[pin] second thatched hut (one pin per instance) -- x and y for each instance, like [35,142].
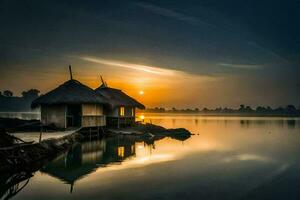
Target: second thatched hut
[121,109]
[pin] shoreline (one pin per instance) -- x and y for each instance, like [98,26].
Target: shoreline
[19,157]
[221,114]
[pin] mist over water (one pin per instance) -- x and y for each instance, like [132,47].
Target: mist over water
[227,158]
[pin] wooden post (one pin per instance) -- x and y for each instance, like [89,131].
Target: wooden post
[70,70]
[90,134]
[118,122]
[102,130]
[41,132]
[103,82]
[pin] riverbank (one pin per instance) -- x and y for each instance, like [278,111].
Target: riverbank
[24,155]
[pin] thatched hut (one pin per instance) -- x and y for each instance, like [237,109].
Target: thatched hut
[121,109]
[72,104]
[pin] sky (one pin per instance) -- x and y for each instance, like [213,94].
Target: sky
[185,54]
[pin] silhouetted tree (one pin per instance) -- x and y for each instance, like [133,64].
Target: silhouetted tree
[242,108]
[218,109]
[188,110]
[261,109]
[32,93]
[227,110]
[279,110]
[8,93]
[205,110]
[161,109]
[290,109]
[248,109]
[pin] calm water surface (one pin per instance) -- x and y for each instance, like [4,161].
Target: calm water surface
[227,158]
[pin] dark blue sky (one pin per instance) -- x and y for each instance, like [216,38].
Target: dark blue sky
[227,52]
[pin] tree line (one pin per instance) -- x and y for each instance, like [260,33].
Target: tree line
[243,109]
[32,93]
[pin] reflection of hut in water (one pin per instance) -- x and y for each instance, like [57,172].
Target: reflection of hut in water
[77,163]
[72,104]
[118,149]
[121,111]
[85,158]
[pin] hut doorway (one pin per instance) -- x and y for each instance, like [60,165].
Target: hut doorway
[74,116]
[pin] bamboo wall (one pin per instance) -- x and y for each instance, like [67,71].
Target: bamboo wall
[92,115]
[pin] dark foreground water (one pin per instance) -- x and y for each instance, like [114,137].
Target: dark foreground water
[228,158]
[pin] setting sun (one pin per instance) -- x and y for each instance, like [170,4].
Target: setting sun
[141,92]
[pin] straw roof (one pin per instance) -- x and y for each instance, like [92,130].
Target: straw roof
[70,92]
[118,98]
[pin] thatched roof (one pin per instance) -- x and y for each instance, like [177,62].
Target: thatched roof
[118,98]
[70,92]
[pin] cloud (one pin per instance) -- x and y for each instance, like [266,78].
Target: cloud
[173,14]
[248,157]
[241,66]
[267,51]
[137,67]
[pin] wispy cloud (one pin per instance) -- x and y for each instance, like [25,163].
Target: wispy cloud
[137,67]
[248,157]
[267,51]
[173,14]
[241,66]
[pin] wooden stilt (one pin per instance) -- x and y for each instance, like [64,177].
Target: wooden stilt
[90,134]
[102,130]
[41,132]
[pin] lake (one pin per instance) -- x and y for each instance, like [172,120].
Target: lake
[227,158]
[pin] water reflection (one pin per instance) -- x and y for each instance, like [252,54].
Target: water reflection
[228,158]
[86,157]
[194,121]
[291,123]
[81,160]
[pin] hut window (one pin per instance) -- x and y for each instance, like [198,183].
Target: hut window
[121,151]
[122,111]
[132,111]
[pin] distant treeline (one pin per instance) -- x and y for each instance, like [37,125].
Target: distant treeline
[11,103]
[289,110]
